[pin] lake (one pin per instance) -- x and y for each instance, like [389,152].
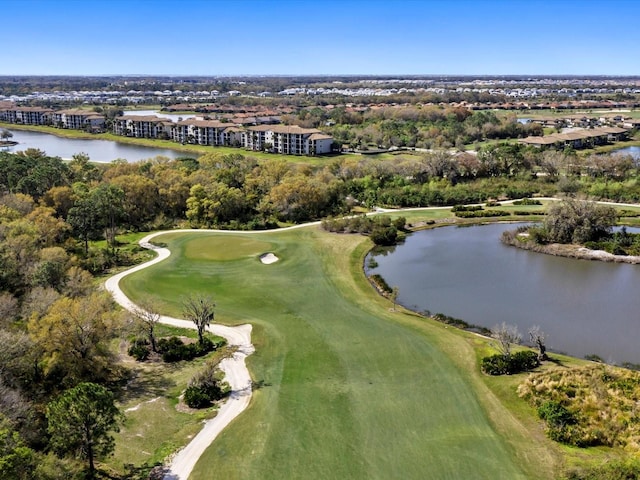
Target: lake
[585,307]
[633,151]
[98,150]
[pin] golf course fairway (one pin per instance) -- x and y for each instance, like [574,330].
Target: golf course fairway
[345,387]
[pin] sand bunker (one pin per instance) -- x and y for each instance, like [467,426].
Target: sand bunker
[268,258]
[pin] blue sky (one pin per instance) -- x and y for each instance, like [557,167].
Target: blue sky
[376,37]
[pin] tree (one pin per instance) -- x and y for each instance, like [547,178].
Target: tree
[6,135]
[538,338]
[216,203]
[109,202]
[140,200]
[83,216]
[506,336]
[578,221]
[148,318]
[17,461]
[199,309]
[81,420]
[73,337]
[81,168]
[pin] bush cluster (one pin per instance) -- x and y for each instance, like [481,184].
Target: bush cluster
[139,349]
[482,213]
[619,243]
[459,323]
[561,423]
[591,405]
[173,349]
[527,201]
[380,283]
[382,230]
[466,208]
[614,470]
[206,386]
[527,212]
[517,362]
[624,213]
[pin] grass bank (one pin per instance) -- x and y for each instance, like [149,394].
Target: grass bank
[348,388]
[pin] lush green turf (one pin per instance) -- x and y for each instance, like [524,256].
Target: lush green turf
[349,389]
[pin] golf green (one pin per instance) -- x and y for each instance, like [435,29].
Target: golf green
[345,388]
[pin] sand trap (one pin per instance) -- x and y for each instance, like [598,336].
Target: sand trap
[268,258]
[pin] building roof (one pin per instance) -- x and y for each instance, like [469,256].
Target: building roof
[546,140]
[290,129]
[33,109]
[144,118]
[320,136]
[76,111]
[204,123]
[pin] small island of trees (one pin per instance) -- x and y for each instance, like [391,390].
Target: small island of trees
[577,228]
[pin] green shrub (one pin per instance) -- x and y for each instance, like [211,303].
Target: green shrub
[627,469]
[399,223]
[196,397]
[206,386]
[517,362]
[139,350]
[384,236]
[527,201]
[555,414]
[464,208]
[527,212]
[561,423]
[482,213]
[628,213]
[173,349]
[458,323]
[380,282]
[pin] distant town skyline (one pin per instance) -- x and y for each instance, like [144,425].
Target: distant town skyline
[330,37]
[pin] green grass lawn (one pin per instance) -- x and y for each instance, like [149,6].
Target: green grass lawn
[349,389]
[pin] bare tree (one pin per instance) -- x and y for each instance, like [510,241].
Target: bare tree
[6,135]
[538,338]
[8,308]
[199,309]
[506,336]
[148,318]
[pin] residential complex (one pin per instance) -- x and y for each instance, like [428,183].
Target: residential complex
[74,119]
[285,139]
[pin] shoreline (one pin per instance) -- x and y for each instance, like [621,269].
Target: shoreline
[578,252]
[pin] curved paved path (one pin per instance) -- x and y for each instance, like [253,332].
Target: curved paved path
[236,372]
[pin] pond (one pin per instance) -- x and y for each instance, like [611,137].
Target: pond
[585,307]
[98,150]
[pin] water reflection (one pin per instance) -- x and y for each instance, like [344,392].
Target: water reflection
[98,150]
